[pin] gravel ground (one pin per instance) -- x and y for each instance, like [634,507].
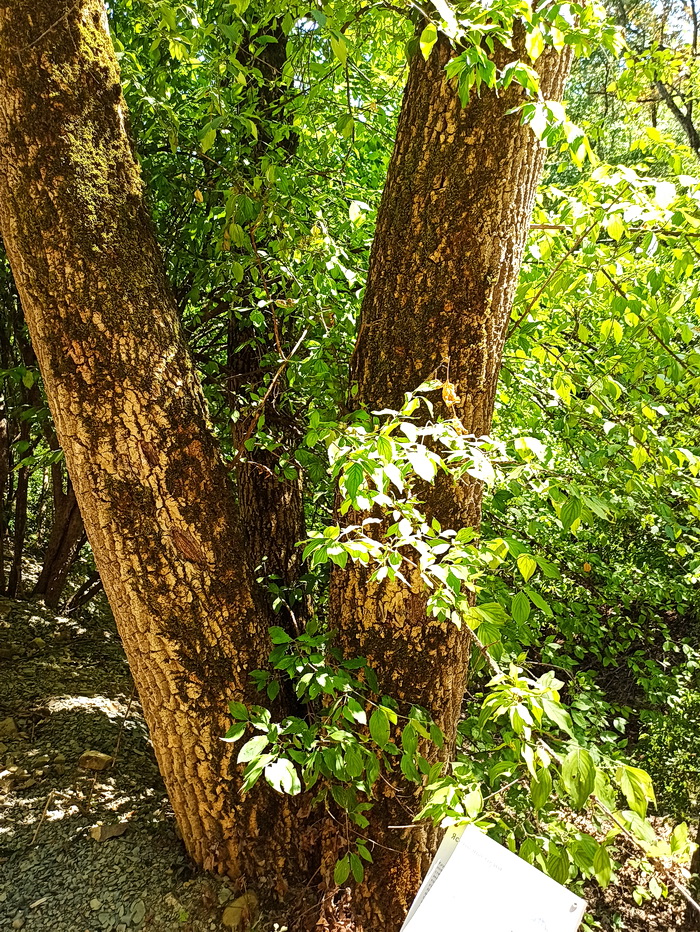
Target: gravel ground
[84,850]
[65,689]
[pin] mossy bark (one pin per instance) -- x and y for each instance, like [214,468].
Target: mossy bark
[450,235]
[131,418]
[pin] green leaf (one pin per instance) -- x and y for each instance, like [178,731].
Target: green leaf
[520,608]
[357,867]
[340,49]
[637,786]
[427,40]
[341,872]
[238,711]
[534,44]
[570,512]
[409,769]
[541,788]
[583,851]
[527,565]
[379,727]
[207,139]
[252,749]
[615,227]
[235,732]
[679,838]
[602,867]
[279,635]
[282,776]
[578,776]
[473,803]
[556,713]
[353,479]
[557,863]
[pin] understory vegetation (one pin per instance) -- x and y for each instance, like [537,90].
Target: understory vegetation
[264,133]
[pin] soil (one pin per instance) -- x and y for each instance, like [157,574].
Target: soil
[85,850]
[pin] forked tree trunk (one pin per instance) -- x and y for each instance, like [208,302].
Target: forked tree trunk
[130,416]
[450,235]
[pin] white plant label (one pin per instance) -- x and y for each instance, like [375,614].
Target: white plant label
[476,885]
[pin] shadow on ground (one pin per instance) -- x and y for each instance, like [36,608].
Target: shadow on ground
[65,689]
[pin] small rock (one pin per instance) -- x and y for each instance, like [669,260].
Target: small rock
[242,913]
[7,653]
[59,759]
[19,922]
[8,729]
[95,904]
[95,760]
[103,832]
[138,913]
[38,642]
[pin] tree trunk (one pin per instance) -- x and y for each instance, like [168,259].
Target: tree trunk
[84,594]
[450,234]
[4,475]
[271,505]
[14,581]
[66,539]
[130,416]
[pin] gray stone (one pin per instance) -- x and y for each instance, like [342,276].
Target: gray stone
[95,760]
[8,728]
[138,913]
[242,913]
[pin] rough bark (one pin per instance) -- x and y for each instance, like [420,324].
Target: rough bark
[129,414]
[450,235]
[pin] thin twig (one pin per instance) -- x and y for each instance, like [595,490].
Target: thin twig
[660,867]
[650,329]
[43,816]
[684,892]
